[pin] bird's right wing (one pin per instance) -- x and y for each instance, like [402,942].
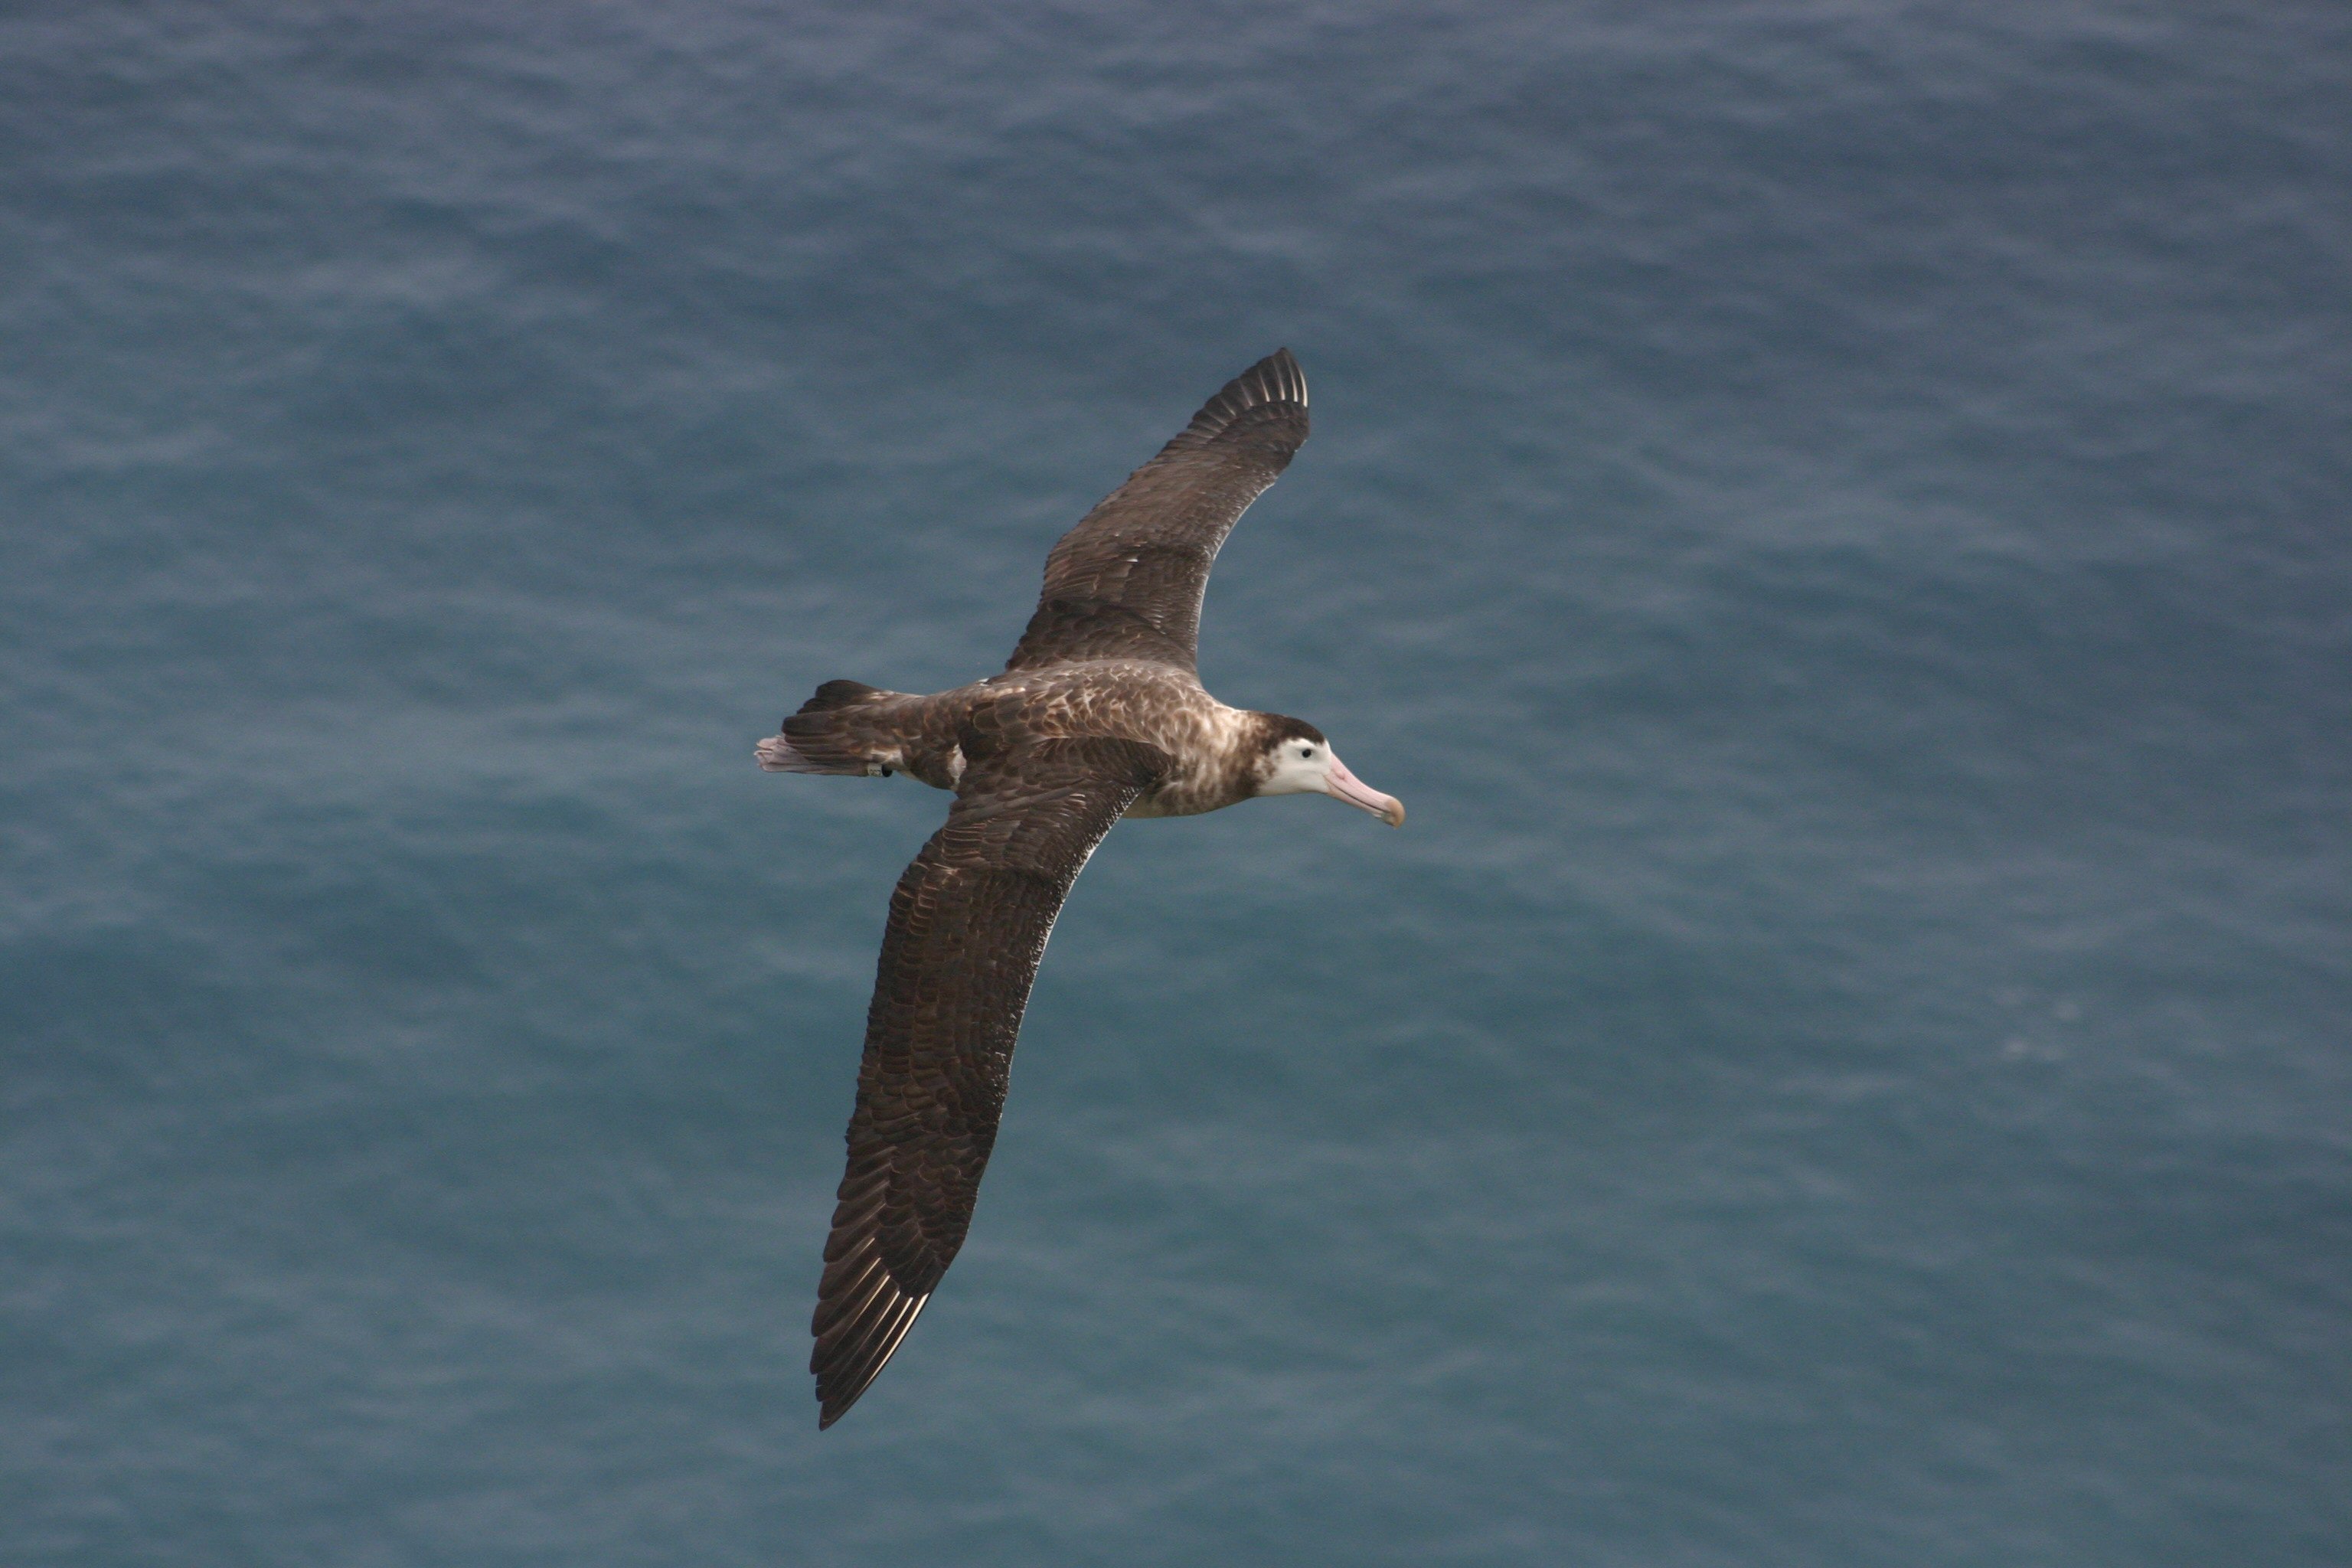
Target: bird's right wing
[968,926]
[1129,578]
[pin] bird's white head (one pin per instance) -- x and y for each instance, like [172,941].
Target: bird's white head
[1297,760]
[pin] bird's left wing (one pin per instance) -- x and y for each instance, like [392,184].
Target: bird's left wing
[968,926]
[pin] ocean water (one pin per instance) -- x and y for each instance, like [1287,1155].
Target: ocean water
[1833,515]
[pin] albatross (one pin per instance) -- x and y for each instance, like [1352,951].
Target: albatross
[1099,715]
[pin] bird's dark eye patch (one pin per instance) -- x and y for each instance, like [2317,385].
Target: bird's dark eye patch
[1306,751]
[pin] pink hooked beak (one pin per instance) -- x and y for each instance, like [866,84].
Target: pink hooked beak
[1342,785]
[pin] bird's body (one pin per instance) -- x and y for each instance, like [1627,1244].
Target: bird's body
[1212,750]
[1099,715]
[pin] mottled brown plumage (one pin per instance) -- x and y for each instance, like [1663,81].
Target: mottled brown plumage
[1099,715]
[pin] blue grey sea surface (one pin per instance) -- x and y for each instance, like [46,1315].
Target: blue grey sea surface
[1836,516]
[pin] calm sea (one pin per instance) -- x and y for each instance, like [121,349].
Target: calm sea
[1835,514]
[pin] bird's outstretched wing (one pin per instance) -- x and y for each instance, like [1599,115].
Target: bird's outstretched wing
[1129,578]
[968,925]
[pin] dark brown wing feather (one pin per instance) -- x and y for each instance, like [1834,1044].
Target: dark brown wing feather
[1129,578]
[968,925]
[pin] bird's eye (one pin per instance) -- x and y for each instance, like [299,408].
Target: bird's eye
[1306,751]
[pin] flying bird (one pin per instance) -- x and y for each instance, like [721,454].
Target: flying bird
[1099,714]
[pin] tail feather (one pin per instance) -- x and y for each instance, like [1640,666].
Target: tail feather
[823,737]
[777,754]
[835,694]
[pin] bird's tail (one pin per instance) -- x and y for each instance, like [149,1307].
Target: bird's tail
[827,737]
